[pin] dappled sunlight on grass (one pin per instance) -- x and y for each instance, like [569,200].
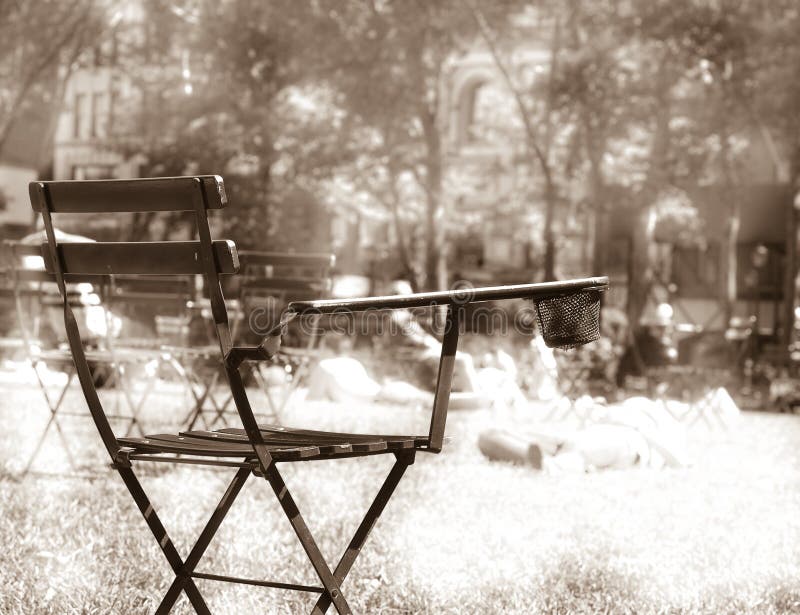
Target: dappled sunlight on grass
[461,535]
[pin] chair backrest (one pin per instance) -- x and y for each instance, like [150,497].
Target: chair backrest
[159,303]
[160,258]
[290,276]
[269,281]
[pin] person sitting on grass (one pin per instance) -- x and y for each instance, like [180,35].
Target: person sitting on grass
[423,350]
[653,345]
[412,355]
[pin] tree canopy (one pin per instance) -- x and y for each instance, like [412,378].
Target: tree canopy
[331,106]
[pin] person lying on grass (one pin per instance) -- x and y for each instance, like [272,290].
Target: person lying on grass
[637,432]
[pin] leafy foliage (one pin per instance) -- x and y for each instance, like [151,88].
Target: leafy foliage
[641,98]
[40,43]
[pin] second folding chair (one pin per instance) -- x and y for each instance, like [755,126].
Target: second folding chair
[35,299]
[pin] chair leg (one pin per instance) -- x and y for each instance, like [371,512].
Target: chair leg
[200,408]
[52,421]
[124,385]
[183,570]
[199,400]
[298,376]
[273,405]
[43,387]
[255,369]
[359,538]
[219,408]
[307,540]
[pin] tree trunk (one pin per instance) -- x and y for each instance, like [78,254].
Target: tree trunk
[435,265]
[400,234]
[549,239]
[640,267]
[601,236]
[537,153]
[598,192]
[640,264]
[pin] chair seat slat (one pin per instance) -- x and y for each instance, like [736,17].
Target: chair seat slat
[352,437]
[290,439]
[180,445]
[291,445]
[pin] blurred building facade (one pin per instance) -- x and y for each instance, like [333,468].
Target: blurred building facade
[498,190]
[738,268]
[81,148]
[103,122]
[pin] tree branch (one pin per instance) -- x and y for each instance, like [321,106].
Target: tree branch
[530,132]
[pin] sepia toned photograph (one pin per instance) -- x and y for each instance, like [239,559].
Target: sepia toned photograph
[399,307]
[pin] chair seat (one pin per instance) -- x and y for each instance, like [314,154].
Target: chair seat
[284,443]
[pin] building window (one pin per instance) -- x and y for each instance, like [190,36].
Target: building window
[479,111]
[113,108]
[759,271]
[99,115]
[696,271]
[80,116]
[93,171]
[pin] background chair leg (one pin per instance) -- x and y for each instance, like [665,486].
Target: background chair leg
[53,422]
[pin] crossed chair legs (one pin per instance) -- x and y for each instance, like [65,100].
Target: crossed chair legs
[202,391]
[330,592]
[206,402]
[52,421]
[54,406]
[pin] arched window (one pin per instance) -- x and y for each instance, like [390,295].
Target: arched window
[479,105]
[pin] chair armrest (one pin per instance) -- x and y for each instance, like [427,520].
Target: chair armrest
[263,352]
[542,290]
[268,348]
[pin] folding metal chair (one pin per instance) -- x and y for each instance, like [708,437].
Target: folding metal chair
[143,300]
[569,378]
[269,282]
[691,385]
[34,293]
[568,310]
[151,301]
[199,366]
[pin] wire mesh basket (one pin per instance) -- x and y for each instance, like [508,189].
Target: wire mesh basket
[570,320]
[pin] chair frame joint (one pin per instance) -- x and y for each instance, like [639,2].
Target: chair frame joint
[122,458]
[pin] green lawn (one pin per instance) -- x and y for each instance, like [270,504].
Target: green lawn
[462,535]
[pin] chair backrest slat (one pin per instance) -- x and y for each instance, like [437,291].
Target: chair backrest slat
[309,285]
[17,269]
[128,195]
[289,276]
[143,258]
[315,261]
[149,289]
[19,249]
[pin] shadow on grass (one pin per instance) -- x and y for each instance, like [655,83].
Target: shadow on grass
[597,584]
[785,598]
[582,583]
